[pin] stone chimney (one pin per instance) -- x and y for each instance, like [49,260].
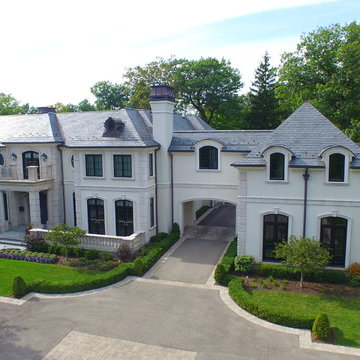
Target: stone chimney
[162,102]
[46,110]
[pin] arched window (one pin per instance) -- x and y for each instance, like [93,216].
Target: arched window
[208,157]
[30,158]
[337,167]
[277,166]
[124,217]
[275,231]
[1,160]
[96,216]
[333,237]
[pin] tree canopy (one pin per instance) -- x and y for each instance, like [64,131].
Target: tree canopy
[10,106]
[325,71]
[109,96]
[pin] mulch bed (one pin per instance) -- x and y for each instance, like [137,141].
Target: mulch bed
[337,290]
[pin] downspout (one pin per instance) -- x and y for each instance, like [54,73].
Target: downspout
[306,178]
[172,188]
[156,193]
[62,180]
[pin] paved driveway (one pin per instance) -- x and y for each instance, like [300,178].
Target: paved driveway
[144,319]
[222,215]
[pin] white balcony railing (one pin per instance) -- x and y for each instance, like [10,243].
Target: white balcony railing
[14,172]
[103,242]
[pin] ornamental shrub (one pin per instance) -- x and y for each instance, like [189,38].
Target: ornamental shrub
[55,249]
[79,252]
[158,237]
[354,269]
[124,252]
[321,327]
[106,256]
[244,263]
[220,274]
[19,287]
[91,254]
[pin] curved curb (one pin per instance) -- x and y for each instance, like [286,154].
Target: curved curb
[305,341]
[27,297]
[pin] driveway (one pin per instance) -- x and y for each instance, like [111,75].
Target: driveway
[223,215]
[142,320]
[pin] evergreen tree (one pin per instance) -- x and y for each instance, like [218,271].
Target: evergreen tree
[263,104]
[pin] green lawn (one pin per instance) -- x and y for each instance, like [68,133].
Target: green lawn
[31,271]
[344,314]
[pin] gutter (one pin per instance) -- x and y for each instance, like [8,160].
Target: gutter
[156,193]
[306,178]
[172,187]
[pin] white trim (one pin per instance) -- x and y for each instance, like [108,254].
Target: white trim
[336,213]
[203,143]
[325,155]
[287,156]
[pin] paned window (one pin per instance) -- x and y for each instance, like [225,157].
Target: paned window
[96,218]
[275,231]
[151,164]
[94,165]
[122,166]
[124,217]
[337,167]
[152,212]
[277,166]
[208,157]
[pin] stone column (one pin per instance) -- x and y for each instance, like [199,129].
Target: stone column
[13,207]
[241,214]
[34,201]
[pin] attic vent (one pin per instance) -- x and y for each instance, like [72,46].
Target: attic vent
[113,127]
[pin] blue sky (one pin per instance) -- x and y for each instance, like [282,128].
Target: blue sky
[54,51]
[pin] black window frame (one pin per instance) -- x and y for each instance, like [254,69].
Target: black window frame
[6,208]
[124,218]
[277,159]
[96,225]
[32,160]
[273,223]
[122,168]
[2,161]
[208,158]
[151,164]
[335,166]
[328,233]
[91,169]
[74,207]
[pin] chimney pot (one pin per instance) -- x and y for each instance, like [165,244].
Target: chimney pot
[45,110]
[161,93]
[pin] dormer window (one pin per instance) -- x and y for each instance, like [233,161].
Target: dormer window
[277,166]
[337,167]
[113,127]
[208,158]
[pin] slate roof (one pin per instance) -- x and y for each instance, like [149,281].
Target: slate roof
[85,129]
[232,140]
[305,133]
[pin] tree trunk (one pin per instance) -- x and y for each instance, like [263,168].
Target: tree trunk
[301,279]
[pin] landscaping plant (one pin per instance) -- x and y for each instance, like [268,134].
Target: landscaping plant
[65,236]
[321,327]
[304,254]
[244,263]
[19,287]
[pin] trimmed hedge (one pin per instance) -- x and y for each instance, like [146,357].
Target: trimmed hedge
[229,257]
[282,317]
[289,273]
[19,287]
[321,327]
[138,267]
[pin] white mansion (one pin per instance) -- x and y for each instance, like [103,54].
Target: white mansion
[134,172]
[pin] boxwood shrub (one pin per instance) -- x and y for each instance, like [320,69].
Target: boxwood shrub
[282,317]
[19,287]
[321,327]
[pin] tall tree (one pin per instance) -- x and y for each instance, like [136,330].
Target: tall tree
[109,96]
[324,70]
[158,72]
[263,110]
[85,105]
[207,84]
[10,106]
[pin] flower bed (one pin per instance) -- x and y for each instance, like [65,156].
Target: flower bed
[28,256]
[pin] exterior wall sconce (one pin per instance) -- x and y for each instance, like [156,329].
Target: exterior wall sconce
[44,157]
[13,156]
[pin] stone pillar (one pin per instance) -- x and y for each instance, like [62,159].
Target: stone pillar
[3,222]
[13,207]
[34,201]
[241,214]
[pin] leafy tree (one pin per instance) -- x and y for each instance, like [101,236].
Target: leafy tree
[85,105]
[324,70]
[109,96]
[10,106]
[304,254]
[65,236]
[263,111]
[139,79]
[206,84]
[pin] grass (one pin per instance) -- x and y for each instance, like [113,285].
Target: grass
[31,271]
[343,313]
